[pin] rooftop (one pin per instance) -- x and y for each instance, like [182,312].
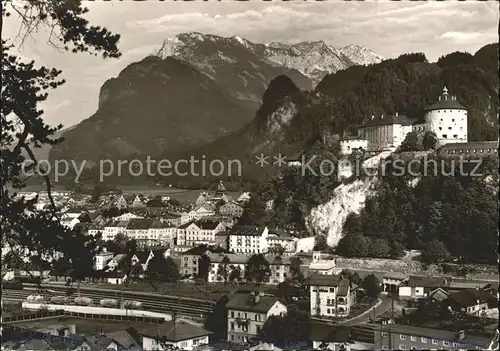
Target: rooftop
[324,280]
[172,331]
[388,120]
[246,302]
[446,102]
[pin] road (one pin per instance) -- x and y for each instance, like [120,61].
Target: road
[384,304]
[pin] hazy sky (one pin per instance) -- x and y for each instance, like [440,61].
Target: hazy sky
[388,28]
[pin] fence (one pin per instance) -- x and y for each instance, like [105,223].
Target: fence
[63,313]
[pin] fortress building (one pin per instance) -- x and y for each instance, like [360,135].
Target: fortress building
[447,118]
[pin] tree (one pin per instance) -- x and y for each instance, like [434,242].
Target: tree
[24,227]
[203,267]
[295,326]
[276,250]
[371,285]
[320,243]
[257,269]
[435,252]
[216,321]
[295,269]
[411,143]
[155,202]
[235,274]
[223,269]
[352,276]
[162,270]
[429,140]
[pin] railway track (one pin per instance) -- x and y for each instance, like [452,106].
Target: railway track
[161,304]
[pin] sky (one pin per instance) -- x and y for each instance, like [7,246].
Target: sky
[388,28]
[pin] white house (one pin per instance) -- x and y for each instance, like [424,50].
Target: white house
[248,239]
[127,216]
[244,198]
[200,212]
[184,336]
[102,258]
[350,144]
[330,295]
[111,230]
[229,262]
[288,243]
[323,264]
[385,132]
[246,314]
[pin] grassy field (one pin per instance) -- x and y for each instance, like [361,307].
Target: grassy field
[83,326]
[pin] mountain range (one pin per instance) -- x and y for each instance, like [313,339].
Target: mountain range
[194,89]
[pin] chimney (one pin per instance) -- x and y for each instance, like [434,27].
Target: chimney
[461,334]
[397,114]
[104,250]
[256,297]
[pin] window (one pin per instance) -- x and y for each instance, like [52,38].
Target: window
[232,326]
[384,347]
[446,343]
[402,347]
[384,334]
[402,337]
[423,340]
[413,348]
[434,342]
[455,344]
[413,338]
[232,314]
[445,136]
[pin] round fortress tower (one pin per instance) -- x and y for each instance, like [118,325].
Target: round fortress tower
[448,119]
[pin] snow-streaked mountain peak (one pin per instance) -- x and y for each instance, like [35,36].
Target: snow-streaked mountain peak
[314,59]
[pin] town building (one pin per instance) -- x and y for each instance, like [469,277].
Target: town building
[330,295]
[114,228]
[288,243]
[348,144]
[102,258]
[392,280]
[408,337]
[248,239]
[222,239]
[231,209]
[471,149]
[470,301]
[198,232]
[246,314]
[222,266]
[190,258]
[177,334]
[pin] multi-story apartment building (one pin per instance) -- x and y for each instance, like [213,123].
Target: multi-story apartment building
[279,267]
[330,295]
[200,212]
[198,232]
[190,258]
[102,258]
[231,209]
[221,266]
[407,337]
[288,243]
[246,314]
[113,229]
[248,239]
